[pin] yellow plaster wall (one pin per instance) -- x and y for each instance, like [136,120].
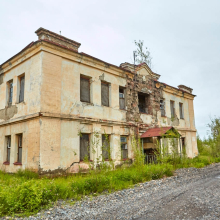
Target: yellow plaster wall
[30,147]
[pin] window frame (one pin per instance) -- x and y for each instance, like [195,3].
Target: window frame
[108,85]
[8,148]
[22,77]
[124,149]
[108,147]
[19,139]
[10,88]
[146,104]
[122,98]
[181,110]
[162,111]
[172,113]
[82,77]
[88,150]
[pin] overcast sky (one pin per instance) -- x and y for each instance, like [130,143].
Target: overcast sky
[183,37]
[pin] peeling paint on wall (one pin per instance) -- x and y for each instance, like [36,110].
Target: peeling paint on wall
[8,112]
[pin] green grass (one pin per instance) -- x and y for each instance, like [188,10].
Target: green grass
[26,193]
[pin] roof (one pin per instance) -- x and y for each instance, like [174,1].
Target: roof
[155,132]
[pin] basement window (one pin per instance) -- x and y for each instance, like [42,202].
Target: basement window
[122,98]
[21,91]
[84,147]
[106,154]
[124,147]
[105,93]
[172,108]
[143,103]
[162,107]
[181,110]
[84,89]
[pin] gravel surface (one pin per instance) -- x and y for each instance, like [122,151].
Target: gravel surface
[190,194]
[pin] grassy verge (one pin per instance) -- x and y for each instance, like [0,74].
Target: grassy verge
[25,193]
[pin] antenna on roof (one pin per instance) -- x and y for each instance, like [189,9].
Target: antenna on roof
[135,55]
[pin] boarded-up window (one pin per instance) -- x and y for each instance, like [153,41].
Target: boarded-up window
[10,92]
[8,142]
[19,148]
[181,110]
[106,154]
[162,107]
[172,109]
[122,98]
[84,147]
[143,101]
[84,89]
[105,93]
[124,147]
[21,93]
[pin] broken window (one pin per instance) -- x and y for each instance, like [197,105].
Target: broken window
[124,147]
[143,102]
[8,141]
[10,92]
[172,109]
[21,92]
[84,147]
[181,110]
[84,89]
[121,98]
[19,148]
[105,93]
[162,107]
[106,154]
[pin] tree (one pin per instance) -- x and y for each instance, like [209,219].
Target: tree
[143,54]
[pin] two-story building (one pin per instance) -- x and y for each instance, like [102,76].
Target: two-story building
[59,106]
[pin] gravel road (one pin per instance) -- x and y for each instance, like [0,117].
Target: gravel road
[190,194]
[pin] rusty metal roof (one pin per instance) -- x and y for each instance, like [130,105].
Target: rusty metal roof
[155,132]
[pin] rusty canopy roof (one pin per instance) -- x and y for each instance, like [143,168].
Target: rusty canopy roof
[155,132]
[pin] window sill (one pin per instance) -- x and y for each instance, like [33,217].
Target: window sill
[17,163]
[108,159]
[23,102]
[86,103]
[81,161]
[6,163]
[125,159]
[182,118]
[163,116]
[144,113]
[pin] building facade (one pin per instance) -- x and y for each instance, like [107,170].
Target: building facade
[59,106]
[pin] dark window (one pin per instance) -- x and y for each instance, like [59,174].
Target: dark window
[143,100]
[8,139]
[181,110]
[20,148]
[122,98]
[21,93]
[183,145]
[162,107]
[84,89]
[10,92]
[124,147]
[105,93]
[84,147]
[106,154]
[172,109]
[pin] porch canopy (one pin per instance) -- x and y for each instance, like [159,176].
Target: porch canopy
[161,131]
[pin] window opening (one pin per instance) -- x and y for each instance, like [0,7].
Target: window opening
[8,148]
[20,148]
[84,147]
[106,154]
[122,98]
[105,93]
[10,92]
[172,109]
[181,110]
[162,107]
[143,102]
[84,89]
[21,93]
[124,147]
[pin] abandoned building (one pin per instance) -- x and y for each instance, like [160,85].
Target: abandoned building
[58,104]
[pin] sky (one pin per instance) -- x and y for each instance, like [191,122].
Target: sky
[183,37]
